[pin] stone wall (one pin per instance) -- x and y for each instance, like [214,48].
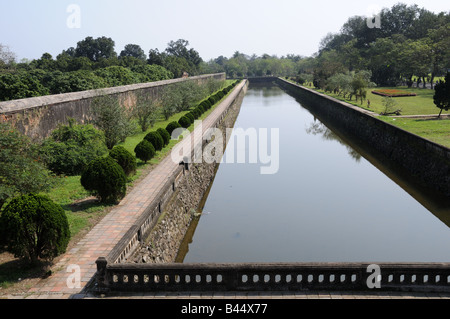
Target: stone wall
[38,116]
[422,162]
[163,242]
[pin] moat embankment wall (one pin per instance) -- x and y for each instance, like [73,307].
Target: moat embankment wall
[37,117]
[418,159]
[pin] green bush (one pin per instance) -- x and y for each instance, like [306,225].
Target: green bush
[206,104]
[185,122]
[71,147]
[156,140]
[190,117]
[196,113]
[34,227]
[212,100]
[199,110]
[124,158]
[172,126]
[165,135]
[145,151]
[105,179]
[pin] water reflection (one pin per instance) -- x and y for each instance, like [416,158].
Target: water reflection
[318,128]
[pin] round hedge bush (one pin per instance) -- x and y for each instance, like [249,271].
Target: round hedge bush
[190,117]
[172,126]
[156,140]
[105,179]
[196,113]
[34,227]
[165,135]
[185,122]
[145,151]
[124,158]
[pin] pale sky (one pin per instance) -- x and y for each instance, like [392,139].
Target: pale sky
[213,28]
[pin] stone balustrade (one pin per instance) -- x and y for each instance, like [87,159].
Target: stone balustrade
[424,277]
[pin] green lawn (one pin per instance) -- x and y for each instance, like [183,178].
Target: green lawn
[433,129]
[421,104]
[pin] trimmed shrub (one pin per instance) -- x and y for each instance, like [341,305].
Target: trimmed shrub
[165,135]
[190,117]
[185,122]
[212,100]
[201,109]
[145,151]
[206,105]
[172,126]
[105,179]
[34,227]
[156,140]
[124,158]
[196,113]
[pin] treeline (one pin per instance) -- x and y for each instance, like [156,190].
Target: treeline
[242,65]
[93,64]
[409,43]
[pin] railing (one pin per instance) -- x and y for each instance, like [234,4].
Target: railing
[424,277]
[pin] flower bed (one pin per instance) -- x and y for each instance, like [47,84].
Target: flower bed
[393,93]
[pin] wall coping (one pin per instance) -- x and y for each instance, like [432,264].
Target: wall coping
[14,106]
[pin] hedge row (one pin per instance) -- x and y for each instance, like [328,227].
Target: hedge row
[188,119]
[152,142]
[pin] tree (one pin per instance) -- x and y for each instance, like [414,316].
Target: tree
[145,151]
[106,179]
[7,57]
[442,94]
[117,76]
[171,101]
[190,93]
[21,169]
[96,49]
[34,227]
[145,110]
[125,159]
[156,139]
[71,147]
[111,118]
[151,73]
[133,50]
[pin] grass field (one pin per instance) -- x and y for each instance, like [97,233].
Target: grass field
[421,104]
[432,129]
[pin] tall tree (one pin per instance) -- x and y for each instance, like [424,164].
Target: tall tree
[96,49]
[442,94]
[133,50]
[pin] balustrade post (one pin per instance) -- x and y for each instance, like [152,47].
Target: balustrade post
[101,275]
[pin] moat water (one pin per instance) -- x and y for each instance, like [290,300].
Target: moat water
[326,202]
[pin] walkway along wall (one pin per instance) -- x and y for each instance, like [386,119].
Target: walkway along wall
[37,117]
[418,159]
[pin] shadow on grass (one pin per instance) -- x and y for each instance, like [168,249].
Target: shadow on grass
[14,270]
[90,204]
